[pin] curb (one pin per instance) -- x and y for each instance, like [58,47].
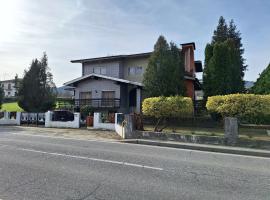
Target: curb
[203,147]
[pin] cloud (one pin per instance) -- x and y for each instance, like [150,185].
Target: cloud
[68,29]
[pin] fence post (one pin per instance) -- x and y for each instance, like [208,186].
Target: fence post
[129,126]
[18,118]
[48,119]
[231,130]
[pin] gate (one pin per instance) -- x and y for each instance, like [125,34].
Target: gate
[32,118]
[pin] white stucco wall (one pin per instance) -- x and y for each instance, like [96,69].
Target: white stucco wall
[58,124]
[119,129]
[99,125]
[7,120]
[96,87]
[135,62]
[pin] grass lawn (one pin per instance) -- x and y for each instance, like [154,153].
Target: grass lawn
[11,107]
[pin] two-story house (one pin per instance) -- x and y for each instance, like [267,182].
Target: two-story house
[115,82]
[9,88]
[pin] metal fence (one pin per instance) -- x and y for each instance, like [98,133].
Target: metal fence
[33,118]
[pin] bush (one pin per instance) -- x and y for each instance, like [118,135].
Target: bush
[163,108]
[87,111]
[249,108]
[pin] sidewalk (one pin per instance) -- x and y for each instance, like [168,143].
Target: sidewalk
[83,134]
[202,147]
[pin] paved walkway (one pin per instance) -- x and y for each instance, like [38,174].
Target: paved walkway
[83,133]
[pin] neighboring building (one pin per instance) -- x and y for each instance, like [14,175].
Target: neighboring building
[115,82]
[9,87]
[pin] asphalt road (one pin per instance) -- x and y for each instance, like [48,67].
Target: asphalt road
[33,168]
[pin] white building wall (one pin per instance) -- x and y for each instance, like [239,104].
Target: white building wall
[135,62]
[8,92]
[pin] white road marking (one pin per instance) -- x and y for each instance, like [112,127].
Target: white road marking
[145,145]
[93,159]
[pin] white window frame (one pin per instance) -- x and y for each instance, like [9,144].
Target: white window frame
[135,70]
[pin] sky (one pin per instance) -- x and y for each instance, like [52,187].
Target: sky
[75,29]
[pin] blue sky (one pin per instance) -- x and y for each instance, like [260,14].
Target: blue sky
[73,29]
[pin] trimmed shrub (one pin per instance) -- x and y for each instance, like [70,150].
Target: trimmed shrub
[249,108]
[163,108]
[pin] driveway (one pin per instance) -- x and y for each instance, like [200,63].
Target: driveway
[35,167]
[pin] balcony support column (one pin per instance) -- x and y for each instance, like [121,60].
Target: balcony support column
[138,100]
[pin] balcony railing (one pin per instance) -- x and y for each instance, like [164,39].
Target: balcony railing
[98,103]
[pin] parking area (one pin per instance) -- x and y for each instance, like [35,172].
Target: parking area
[82,133]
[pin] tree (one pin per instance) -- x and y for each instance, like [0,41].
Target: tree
[221,33]
[224,62]
[1,96]
[16,84]
[36,91]
[164,74]
[262,85]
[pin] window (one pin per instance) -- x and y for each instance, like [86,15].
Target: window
[135,70]
[131,71]
[9,86]
[97,70]
[108,98]
[103,70]
[100,70]
[139,70]
[108,94]
[85,95]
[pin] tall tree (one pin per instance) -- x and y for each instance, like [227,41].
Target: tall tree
[226,39]
[16,84]
[164,74]
[36,91]
[1,96]
[221,33]
[262,85]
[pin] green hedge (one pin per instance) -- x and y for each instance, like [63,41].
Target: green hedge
[249,108]
[167,107]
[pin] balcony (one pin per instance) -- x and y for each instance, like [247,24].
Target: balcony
[98,103]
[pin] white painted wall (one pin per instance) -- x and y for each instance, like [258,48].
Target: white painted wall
[58,124]
[99,125]
[7,120]
[119,129]
[135,62]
